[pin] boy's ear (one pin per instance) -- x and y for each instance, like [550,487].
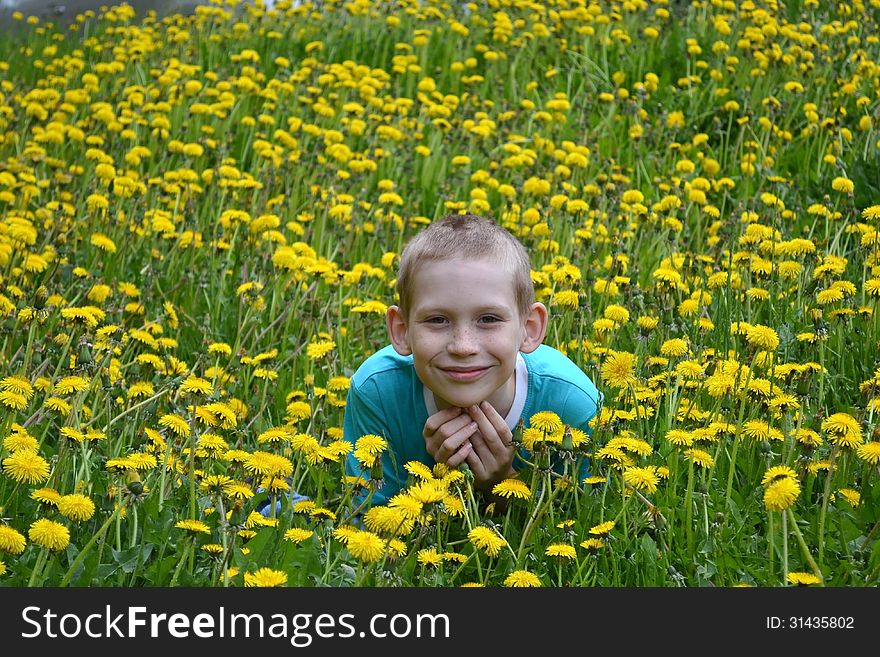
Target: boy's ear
[535,327]
[397,331]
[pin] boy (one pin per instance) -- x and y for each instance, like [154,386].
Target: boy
[465,360]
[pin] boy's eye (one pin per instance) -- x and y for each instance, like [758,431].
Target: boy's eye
[490,319]
[435,320]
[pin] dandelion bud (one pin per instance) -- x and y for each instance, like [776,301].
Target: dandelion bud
[135,485]
[85,355]
[567,442]
[543,459]
[518,432]
[376,473]
[40,297]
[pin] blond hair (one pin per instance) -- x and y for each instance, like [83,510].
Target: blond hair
[466,237]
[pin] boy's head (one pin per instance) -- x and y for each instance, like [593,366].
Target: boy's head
[467,307]
[466,237]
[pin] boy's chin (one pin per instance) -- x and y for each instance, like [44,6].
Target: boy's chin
[464,399]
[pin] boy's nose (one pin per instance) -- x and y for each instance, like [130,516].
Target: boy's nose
[462,342]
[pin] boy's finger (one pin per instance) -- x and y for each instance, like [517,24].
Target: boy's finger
[440,418]
[459,457]
[499,424]
[476,465]
[483,444]
[447,428]
[450,445]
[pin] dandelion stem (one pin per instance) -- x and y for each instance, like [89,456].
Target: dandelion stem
[736,437]
[528,530]
[38,568]
[804,549]
[88,546]
[825,497]
[784,547]
[183,559]
[689,508]
[771,542]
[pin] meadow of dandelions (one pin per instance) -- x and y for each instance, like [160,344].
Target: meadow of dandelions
[200,222]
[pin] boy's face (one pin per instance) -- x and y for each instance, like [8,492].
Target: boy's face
[464,331]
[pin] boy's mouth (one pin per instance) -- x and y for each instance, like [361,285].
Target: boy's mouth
[464,373]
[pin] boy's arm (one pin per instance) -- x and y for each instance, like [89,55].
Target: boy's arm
[363,416]
[578,411]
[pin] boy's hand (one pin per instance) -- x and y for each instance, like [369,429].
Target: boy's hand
[491,458]
[447,435]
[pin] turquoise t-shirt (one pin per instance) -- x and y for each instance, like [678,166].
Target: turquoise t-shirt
[386,398]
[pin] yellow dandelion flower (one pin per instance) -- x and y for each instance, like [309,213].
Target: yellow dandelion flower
[13,400]
[46,496]
[843,430]
[869,452]
[851,496]
[103,242]
[297,535]
[546,421]
[419,470]
[317,350]
[20,439]
[512,488]
[70,384]
[176,423]
[603,528]
[76,507]
[193,526]
[618,369]
[429,557]
[674,348]
[843,185]
[194,384]
[762,337]
[49,534]
[781,494]
[26,466]
[593,544]
[560,551]
[368,448]
[428,492]
[17,384]
[366,546]
[486,539]
[11,541]
[265,577]
[778,472]
[522,579]
[642,478]
[699,457]
[388,520]
[803,579]
[220,348]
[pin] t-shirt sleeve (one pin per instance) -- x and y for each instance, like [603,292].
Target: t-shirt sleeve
[581,407]
[363,416]
[578,411]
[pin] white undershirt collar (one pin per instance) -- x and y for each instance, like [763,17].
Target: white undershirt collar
[519,397]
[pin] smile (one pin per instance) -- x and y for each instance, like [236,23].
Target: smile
[465,375]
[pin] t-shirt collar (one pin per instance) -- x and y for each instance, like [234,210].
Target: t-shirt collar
[519,396]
